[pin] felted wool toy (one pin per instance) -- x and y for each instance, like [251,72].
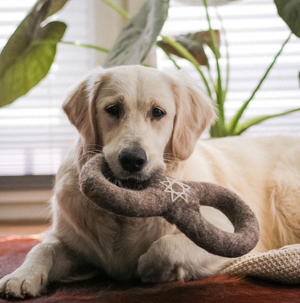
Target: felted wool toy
[178,202]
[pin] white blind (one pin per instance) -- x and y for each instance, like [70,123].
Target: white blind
[34,132]
[255,34]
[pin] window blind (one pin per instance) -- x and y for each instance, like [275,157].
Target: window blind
[255,34]
[34,132]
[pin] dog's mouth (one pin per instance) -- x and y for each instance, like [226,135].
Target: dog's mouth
[133,182]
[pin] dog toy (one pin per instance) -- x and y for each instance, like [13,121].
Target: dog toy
[178,202]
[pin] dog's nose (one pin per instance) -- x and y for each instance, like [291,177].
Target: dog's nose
[132,159]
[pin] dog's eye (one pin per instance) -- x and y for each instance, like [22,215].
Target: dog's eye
[113,110]
[157,113]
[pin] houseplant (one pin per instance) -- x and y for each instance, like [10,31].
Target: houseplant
[217,89]
[131,47]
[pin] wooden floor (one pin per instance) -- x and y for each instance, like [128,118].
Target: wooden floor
[21,230]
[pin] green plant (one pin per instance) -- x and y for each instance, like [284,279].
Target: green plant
[289,10]
[26,59]
[30,52]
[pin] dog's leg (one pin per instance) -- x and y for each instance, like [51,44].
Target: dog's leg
[46,261]
[175,257]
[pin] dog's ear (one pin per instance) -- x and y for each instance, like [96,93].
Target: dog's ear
[194,113]
[80,108]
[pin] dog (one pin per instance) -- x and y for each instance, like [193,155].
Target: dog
[144,120]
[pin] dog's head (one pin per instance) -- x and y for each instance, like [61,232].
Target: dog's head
[138,117]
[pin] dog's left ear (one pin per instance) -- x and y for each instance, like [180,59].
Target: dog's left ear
[81,110]
[194,113]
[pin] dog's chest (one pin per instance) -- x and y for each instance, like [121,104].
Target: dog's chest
[130,238]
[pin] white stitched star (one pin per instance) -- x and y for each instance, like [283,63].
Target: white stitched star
[175,194]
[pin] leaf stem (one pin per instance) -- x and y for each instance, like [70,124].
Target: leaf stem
[234,121]
[118,9]
[219,91]
[171,59]
[188,56]
[76,43]
[244,126]
[227,55]
[210,76]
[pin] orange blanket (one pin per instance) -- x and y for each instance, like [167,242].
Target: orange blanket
[220,289]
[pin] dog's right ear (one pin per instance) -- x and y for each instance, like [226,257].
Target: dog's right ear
[194,113]
[80,108]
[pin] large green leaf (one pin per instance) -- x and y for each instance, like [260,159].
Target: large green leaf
[289,11]
[30,51]
[135,41]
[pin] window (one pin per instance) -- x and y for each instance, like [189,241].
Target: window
[255,34]
[34,132]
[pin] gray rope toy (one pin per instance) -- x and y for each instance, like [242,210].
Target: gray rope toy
[178,202]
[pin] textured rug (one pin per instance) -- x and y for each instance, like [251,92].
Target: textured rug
[220,288]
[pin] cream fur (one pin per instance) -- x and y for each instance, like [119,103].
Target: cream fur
[265,172]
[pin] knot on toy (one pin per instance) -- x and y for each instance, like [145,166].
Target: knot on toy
[178,202]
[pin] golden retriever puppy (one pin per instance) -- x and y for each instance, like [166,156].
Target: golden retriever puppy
[143,120]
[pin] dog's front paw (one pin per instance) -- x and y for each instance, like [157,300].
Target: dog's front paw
[160,264]
[21,284]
